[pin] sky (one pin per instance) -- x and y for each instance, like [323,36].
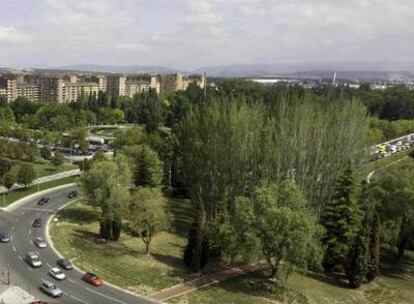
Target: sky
[188,34]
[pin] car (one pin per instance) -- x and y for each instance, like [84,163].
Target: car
[56,273]
[92,279]
[65,264]
[40,242]
[39,302]
[72,194]
[4,237]
[43,201]
[33,260]
[50,289]
[37,222]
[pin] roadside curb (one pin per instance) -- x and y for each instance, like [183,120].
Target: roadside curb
[52,246]
[22,200]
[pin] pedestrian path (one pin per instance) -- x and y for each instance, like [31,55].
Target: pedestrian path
[204,281]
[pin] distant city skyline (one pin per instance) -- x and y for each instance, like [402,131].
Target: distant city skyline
[189,34]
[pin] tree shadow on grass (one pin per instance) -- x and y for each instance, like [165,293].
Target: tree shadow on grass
[77,215]
[258,284]
[334,279]
[396,268]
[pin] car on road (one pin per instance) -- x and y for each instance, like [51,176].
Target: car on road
[33,259]
[43,201]
[72,194]
[4,237]
[92,279]
[39,302]
[65,264]
[37,222]
[40,242]
[50,289]
[56,273]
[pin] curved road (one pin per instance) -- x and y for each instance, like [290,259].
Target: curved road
[17,220]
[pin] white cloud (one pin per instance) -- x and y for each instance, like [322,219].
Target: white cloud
[11,34]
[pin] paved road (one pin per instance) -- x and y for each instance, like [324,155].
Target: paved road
[18,222]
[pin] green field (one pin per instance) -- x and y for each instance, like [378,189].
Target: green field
[123,263]
[12,196]
[42,168]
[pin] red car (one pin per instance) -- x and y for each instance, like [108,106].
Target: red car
[92,279]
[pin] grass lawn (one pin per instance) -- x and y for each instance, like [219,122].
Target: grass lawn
[17,194]
[123,263]
[42,168]
[395,285]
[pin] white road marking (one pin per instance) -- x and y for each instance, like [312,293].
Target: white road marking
[37,253]
[30,231]
[13,227]
[23,212]
[16,220]
[105,296]
[14,249]
[30,269]
[11,238]
[70,280]
[41,210]
[20,257]
[30,242]
[79,300]
[48,265]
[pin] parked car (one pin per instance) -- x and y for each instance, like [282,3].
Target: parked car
[72,194]
[56,273]
[50,289]
[92,279]
[33,259]
[37,222]
[65,264]
[4,237]
[40,242]
[39,302]
[43,201]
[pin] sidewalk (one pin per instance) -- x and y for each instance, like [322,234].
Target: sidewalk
[45,179]
[203,281]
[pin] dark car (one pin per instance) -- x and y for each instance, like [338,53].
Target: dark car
[65,264]
[72,194]
[4,237]
[43,201]
[37,223]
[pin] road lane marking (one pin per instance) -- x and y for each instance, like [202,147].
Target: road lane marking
[14,248]
[48,265]
[79,300]
[11,238]
[20,257]
[30,269]
[41,210]
[70,280]
[23,212]
[30,242]
[16,220]
[105,296]
[30,231]
[37,253]
[13,227]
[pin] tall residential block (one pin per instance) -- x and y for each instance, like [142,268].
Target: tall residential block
[116,84]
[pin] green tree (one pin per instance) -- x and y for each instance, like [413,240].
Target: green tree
[374,248]
[26,174]
[106,185]
[287,230]
[357,264]
[5,166]
[57,159]
[148,171]
[148,214]
[341,220]
[9,179]
[46,153]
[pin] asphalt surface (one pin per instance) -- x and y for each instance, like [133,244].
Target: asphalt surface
[18,223]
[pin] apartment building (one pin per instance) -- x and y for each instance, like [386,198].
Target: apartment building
[8,85]
[67,88]
[115,84]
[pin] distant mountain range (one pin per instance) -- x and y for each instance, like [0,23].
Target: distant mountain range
[352,70]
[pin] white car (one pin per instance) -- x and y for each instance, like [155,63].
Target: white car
[56,273]
[40,242]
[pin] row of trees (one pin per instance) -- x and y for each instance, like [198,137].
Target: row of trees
[23,174]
